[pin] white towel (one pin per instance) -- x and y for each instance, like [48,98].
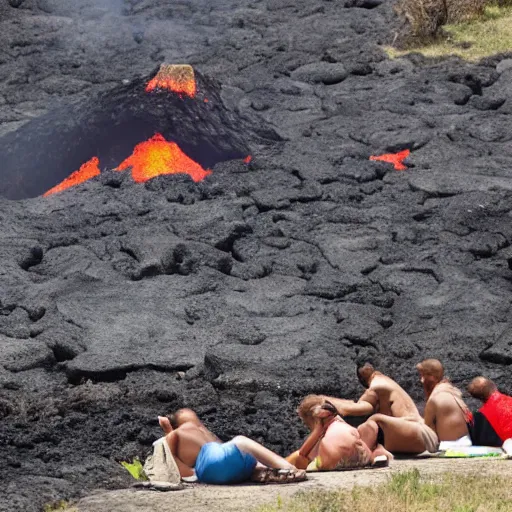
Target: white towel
[507,447]
[161,467]
[463,441]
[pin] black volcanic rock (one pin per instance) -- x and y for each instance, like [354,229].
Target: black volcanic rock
[267,281]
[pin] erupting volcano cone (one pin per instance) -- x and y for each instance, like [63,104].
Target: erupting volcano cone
[86,172]
[396,159]
[178,78]
[157,156]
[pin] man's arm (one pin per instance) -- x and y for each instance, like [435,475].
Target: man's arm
[312,440]
[430,414]
[173,440]
[364,407]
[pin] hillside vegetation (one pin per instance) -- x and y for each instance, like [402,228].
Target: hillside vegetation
[470,29]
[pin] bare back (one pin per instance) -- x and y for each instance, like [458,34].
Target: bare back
[446,412]
[187,441]
[392,399]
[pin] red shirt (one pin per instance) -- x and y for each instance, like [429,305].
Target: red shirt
[498,411]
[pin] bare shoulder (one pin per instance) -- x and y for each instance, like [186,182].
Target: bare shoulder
[383,383]
[186,430]
[432,402]
[443,398]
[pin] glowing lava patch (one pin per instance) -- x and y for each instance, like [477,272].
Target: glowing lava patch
[178,78]
[397,159]
[157,156]
[87,171]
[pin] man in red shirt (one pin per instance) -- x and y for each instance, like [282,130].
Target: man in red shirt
[496,410]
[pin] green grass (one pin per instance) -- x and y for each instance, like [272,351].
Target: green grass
[473,40]
[409,492]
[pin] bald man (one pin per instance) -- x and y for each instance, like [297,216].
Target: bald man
[196,450]
[397,424]
[445,410]
[493,421]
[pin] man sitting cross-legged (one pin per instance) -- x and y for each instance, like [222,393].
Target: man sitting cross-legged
[196,449]
[398,425]
[333,443]
[445,410]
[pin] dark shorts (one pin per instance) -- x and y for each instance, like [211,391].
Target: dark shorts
[223,464]
[380,436]
[482,432]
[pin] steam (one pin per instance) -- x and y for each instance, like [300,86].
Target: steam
[106,32]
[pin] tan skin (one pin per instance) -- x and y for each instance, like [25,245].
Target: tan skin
[333,440]
[383,395]
[396,414]
[186,441]
[444,412]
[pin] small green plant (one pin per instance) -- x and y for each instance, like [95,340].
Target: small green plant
[135,468]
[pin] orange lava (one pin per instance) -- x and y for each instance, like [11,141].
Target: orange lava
[247,159]
[176,78]
[86,172]
[396,159]
[157,156]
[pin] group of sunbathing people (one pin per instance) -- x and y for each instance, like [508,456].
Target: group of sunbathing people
[394,425]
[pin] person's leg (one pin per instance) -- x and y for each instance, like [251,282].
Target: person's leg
[298,460]
[261,454]
[369,431]
[400,435]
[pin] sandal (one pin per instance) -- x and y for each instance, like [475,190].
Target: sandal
[279,476]
[328,406]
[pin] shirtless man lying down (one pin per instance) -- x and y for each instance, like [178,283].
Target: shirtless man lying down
[333,443]
[196,449]
[397,424]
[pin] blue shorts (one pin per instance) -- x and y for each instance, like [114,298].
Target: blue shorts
[223,464]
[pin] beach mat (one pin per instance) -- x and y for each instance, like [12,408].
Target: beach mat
[473,452]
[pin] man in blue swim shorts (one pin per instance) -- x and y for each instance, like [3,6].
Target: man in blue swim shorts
[197,451]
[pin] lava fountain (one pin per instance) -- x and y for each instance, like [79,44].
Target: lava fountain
[157,156]
[194,135]
[178,78]
[87,171]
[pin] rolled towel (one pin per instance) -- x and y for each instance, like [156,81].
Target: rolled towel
[463,441]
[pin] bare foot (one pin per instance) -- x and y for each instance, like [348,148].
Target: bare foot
[381,454]
[165,424]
